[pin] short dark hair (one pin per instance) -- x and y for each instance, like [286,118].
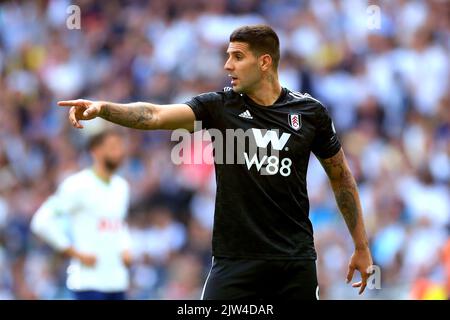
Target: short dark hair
[261,40]
[97,139]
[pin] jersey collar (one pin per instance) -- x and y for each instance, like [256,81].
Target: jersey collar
[281,99]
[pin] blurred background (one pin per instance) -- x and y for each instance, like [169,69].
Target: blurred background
[387,89]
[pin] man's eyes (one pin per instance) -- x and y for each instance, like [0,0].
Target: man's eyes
[238,57]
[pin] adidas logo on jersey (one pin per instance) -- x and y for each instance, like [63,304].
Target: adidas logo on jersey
[246,114]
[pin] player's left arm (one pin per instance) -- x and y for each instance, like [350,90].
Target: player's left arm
[125,242]
[125,235]
[347,199]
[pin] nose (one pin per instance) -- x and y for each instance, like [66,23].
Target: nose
[228,65]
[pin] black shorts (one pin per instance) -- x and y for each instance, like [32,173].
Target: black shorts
[261,279]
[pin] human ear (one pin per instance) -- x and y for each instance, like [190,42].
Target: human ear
[265,62]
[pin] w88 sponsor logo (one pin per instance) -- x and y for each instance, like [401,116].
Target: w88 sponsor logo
[272,164]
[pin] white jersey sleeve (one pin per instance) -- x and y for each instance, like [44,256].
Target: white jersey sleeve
[48,221]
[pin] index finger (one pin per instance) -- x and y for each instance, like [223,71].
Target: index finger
[70,103]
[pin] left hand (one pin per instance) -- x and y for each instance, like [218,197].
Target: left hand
[361,260]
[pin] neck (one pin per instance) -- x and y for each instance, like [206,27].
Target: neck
[101,172]
[267,92]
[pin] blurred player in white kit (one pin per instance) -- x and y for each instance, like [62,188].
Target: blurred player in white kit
[93,205]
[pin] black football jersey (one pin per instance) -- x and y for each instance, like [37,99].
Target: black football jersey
[261,159]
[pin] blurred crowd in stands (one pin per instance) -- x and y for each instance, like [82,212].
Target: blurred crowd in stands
[386,86]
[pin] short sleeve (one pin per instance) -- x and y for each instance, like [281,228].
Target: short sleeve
[326,143]
[67,197]
[205,107]
[49,220]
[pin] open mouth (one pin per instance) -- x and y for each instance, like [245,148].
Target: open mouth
[233,79]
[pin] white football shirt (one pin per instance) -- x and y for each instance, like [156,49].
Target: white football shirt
[89,214]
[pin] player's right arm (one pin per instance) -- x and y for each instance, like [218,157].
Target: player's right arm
[47,225]
[138,115]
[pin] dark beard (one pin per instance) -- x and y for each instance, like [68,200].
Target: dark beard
[110,165]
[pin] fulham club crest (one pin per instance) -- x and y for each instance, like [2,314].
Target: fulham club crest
[295,121]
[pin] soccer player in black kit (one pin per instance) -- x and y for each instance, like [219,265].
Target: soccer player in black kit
[263,244]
